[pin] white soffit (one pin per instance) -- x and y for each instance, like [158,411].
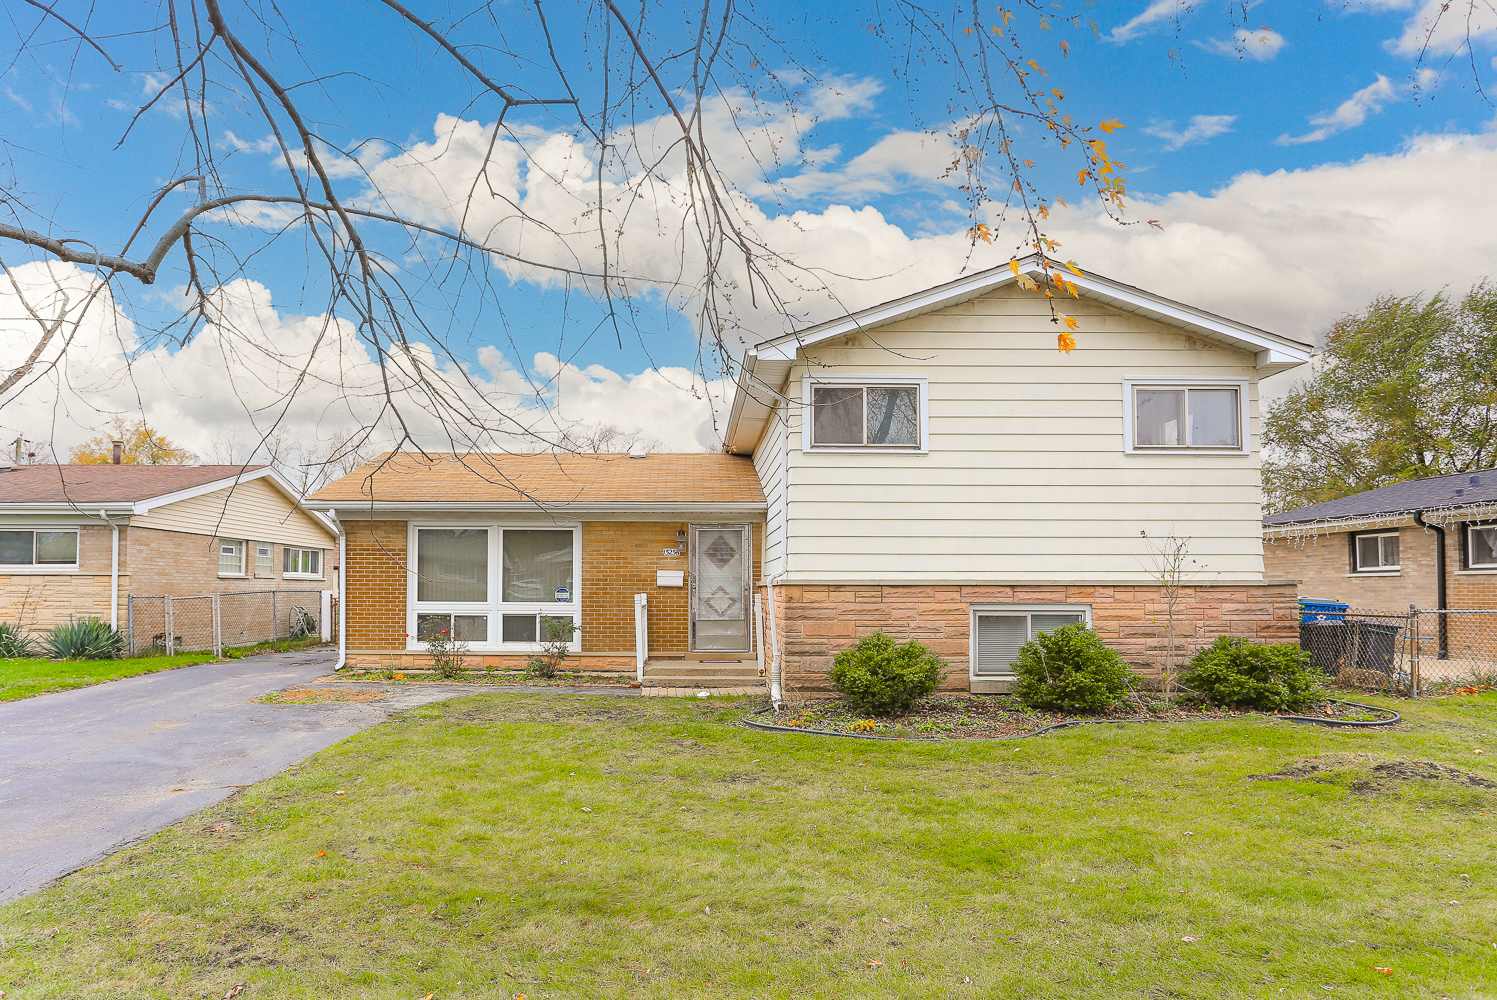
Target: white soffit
[761,376]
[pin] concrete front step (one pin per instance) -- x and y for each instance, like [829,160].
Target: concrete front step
[703,675]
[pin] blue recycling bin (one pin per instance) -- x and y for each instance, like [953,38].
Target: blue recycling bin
[1313,610]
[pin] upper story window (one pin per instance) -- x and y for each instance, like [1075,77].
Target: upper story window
[230,557]
[872,413]
[301,562]
[39,549]
[1375,553]
[1481,546]
[1185,417]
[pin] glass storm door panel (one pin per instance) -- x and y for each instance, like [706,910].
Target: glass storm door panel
[719,588]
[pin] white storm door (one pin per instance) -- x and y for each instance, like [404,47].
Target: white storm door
[720,567]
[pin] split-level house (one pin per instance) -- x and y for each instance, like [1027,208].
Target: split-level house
[932,467]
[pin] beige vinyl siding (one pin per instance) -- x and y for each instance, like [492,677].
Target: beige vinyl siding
[253,511]
[769,463]
[1026,478]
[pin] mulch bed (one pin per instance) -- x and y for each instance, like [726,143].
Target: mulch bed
[960,716]
[317,696]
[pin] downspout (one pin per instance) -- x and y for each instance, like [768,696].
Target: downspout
[1440,587]
[114,572]
[342,593]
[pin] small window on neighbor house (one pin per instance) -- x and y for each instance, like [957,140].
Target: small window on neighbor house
[264,559]
[865,416]
[1001,634]
[39,548]
[1375,553]
[1481,546]
[230,558]
[1169,417]
[301,562]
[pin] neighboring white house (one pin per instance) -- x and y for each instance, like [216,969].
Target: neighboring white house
[934,467]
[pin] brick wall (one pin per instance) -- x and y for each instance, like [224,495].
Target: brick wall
[180,564]
[815,623]
[1322,565]
[375,585]
[619,560]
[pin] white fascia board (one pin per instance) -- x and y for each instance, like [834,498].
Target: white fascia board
[1283,352]
[345,511]
[90,511]
[749,412]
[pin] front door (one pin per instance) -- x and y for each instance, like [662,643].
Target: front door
[720,568]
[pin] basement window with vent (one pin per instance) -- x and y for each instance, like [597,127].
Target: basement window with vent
[1000,631]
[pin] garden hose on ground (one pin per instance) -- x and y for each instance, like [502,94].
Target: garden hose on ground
[1303,719]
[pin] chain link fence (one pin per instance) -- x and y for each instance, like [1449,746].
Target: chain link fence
[1413,653]
[162,625]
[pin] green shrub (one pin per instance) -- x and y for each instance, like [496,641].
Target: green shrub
[1070,670]
[85,639]
[15,644]
[881,677]
[1242,674]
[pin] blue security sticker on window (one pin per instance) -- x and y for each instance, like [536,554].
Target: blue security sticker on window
[563,595]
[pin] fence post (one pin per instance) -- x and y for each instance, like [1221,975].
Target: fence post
[130,620]
[326,617]
[275,620]
[171,628]
[1414,652]
[218,635]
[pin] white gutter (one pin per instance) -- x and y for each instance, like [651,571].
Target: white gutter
[535,507]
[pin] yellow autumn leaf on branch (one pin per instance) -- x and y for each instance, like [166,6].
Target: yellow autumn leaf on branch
[1072,266]
[1071,324]
[1013,266]
[1066,342]
[1111,125]
[1065,50]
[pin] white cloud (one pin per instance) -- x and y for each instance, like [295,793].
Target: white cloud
[1443,27]
[1292,251]
[1348,114]
[1260,45]
[1157,11]
[1200,129]
[255,367]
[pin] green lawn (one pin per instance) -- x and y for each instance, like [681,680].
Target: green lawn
[452,852]
[24,678]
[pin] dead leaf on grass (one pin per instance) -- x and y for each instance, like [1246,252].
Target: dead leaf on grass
[235,990]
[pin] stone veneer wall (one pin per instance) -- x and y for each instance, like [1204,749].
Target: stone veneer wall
[817,622]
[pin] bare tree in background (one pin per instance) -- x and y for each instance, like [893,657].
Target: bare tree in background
[654,119]
[307,464]
[599,439]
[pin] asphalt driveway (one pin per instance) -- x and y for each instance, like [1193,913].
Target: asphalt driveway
[85,772]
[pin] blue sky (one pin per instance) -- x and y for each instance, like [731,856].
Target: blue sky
[1308,85]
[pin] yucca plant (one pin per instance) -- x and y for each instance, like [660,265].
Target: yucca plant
[85,639]
[15,644]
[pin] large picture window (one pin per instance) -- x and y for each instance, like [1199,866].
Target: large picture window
[492,586]
[1186,418]
[452,565]
[847,414]
[39,549]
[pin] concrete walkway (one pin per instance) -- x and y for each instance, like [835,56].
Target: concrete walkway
[85,772]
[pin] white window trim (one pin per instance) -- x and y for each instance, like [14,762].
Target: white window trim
[321,562]
[494,608]
[34,569]
[1130,383]
[1356,554]
[1016,609]
[244,558]
[865,379]
[1471,565]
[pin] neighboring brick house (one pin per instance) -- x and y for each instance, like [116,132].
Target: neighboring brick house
[932,467]
[77,540]
[1429,543]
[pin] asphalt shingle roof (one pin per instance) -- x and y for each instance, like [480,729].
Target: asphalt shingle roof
[85,484]
[698,478]
[1462,489]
